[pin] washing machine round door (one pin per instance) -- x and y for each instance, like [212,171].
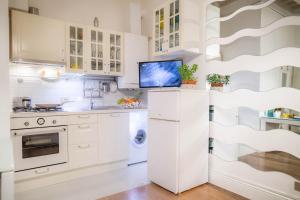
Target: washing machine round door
[140,138]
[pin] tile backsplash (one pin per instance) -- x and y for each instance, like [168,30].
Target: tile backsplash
[25,81]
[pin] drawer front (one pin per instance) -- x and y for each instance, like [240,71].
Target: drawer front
[164,105]
[82,119]
[83,155]
[82,133]
[42,171]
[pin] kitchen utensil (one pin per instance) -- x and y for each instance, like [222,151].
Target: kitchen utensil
[47,106]
[26,102]
[34,10]
[113,87]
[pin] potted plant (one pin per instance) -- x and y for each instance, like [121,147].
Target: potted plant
[187,72]
[217,81]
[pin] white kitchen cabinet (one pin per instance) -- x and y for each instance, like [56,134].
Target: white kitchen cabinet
[113,137]
[37,39]
[178,146]
[83,154]
[135,51]
[94,51]
[82,141]
[115,59]
[76,48]
[177,28]
[97,47]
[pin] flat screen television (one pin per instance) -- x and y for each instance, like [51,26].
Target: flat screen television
[159,74]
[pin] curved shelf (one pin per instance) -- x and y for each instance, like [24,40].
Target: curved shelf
[281,57]
[276,98]
[260,140]
[243,9]
[286,21]
[212,1]
[276,182]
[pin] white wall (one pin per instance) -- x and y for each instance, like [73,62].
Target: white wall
[4,74]
[112,14]
[25,82]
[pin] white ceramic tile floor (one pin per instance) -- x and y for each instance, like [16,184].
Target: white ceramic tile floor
[92,187]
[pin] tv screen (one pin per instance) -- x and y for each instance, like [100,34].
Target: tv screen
[160,74]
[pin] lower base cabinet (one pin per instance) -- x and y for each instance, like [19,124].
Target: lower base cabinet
[113,137]
[83,141]
[83,155]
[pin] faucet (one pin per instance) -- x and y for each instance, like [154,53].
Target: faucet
[91,101]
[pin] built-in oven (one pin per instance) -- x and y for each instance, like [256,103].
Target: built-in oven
[39,147]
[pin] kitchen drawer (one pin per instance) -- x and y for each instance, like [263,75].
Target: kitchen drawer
[82,133]
[164,105]
[82,119]
[42,171]
[83,155]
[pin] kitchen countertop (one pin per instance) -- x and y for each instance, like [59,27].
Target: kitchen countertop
[105,109]
[6,155]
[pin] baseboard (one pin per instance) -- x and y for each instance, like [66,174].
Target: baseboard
[243,188]
[21,186]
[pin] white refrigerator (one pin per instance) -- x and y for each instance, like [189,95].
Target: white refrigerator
[178,132]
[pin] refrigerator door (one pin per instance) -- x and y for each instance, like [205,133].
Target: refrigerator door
[164,105]
[163,153]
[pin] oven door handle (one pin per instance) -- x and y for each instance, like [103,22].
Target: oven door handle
[32,132]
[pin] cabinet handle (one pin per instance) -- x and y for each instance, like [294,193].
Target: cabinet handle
[84,146]
[84,116]
[84,126]
[40,171]
[115,115]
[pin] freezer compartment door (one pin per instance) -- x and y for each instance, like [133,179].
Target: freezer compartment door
[164,105]
[163,151]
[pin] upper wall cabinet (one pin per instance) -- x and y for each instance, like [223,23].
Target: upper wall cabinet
[37,39]
[94,51]
[76,50]
[177,28]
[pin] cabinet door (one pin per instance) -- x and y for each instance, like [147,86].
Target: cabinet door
[83,155]
[113,137]
[95,51]
[163,154]
[115,44]
[37,38]
[159,30]
[76,48]
[174,24]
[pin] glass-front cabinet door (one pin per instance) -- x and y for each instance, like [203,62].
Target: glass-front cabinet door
[173,24]
[115,66]
[75,48]
[95,40]
[159,29]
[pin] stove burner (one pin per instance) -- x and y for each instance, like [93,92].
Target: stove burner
[37,109]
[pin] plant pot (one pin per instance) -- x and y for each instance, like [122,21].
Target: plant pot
[217,85]
[189,84]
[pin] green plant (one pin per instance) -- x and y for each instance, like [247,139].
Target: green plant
[217,79]
[187,72]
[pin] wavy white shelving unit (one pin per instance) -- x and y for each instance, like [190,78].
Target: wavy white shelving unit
[212,1]
[278,58]
[276,98]
[257,139]
[271,183]
[286,21]
[243,9]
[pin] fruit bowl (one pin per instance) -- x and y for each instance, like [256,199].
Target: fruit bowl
[129,102]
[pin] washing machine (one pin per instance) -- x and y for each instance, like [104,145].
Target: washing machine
[138,137]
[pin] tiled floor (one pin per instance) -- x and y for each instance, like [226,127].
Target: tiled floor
[93,187]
